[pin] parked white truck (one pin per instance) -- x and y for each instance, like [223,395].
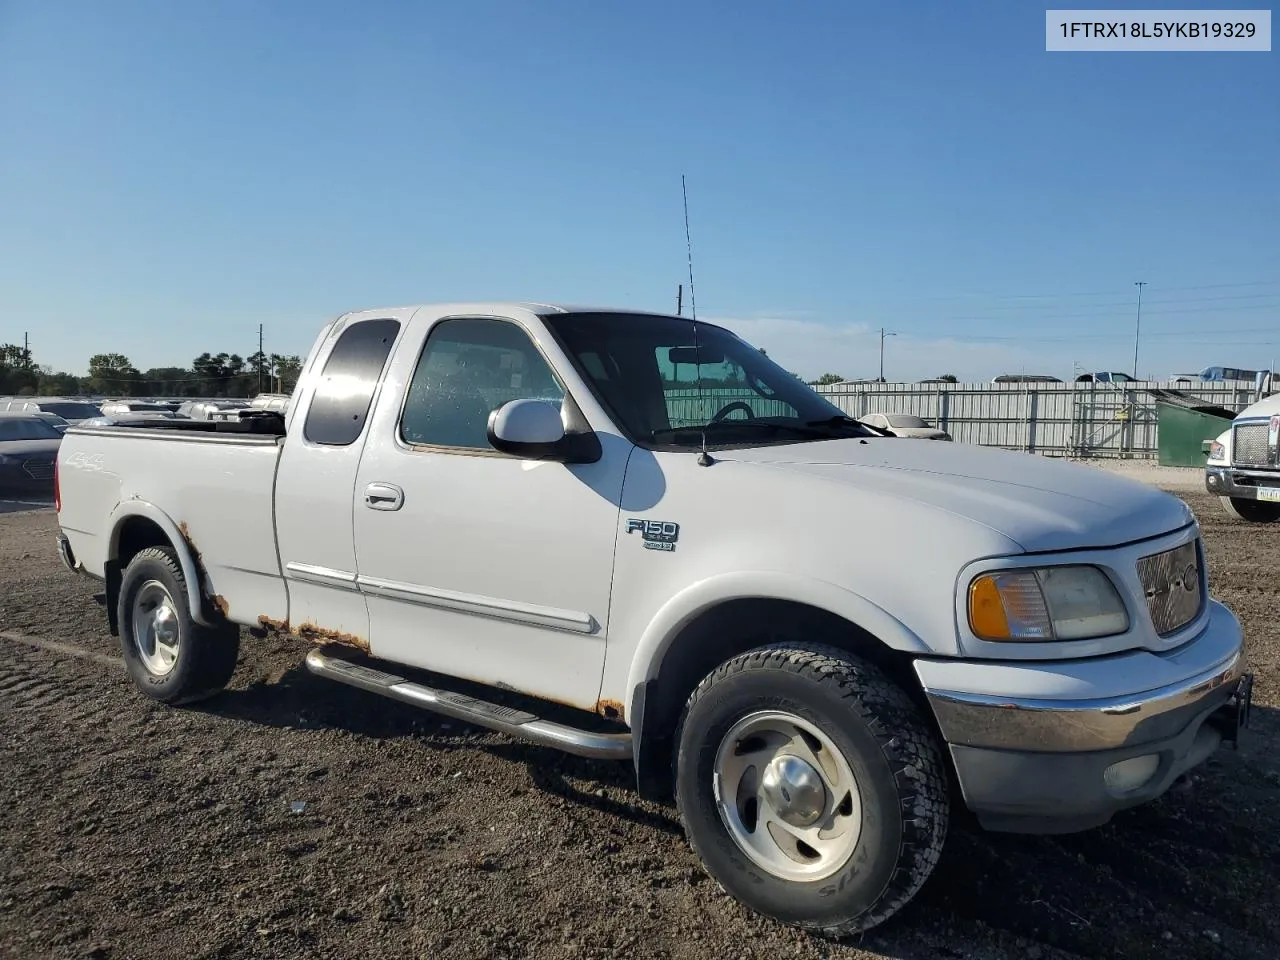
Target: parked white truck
[812,636]
[1243,468]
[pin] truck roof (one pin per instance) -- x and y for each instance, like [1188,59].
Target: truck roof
[502,306]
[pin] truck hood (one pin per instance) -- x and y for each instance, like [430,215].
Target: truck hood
[1039,503]
[1262,408]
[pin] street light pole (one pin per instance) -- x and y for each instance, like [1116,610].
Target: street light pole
[883,334]
[1137,329]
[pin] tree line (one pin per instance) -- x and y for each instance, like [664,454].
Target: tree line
[112,374]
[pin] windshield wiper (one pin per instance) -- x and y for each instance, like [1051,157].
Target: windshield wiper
[714,425]
[810,428]
[840,420]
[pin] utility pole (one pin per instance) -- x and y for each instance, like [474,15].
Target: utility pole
[883,334]
[262,359]
[1137,329]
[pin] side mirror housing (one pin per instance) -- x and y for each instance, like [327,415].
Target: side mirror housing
[534,430]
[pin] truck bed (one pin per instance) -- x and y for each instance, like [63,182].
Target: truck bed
[258,423]
[212,481]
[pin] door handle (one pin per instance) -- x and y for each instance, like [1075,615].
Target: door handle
[383,496]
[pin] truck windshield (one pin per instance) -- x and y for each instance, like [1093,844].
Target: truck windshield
[665,389]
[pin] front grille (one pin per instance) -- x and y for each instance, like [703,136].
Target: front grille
[38,469]
[1174,586]
[1249,447]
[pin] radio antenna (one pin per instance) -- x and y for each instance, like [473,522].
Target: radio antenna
[693,300]
[704,458]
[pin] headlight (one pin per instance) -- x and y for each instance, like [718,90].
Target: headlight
[8,459]
[1217,451]
[1045,604]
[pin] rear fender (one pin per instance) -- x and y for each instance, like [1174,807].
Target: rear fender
[186,559]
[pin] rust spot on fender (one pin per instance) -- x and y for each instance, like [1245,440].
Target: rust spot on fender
[317,634]
[277,626]
[220,602]
[611,709]
[202,577]
[185,532]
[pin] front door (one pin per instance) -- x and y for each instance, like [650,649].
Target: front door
[474,563]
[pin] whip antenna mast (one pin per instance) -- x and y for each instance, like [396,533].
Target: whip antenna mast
[693,300]
[704,458]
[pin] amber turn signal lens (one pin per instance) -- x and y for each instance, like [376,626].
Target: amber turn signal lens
[987,615]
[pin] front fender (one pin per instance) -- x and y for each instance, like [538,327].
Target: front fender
[701,596]
[126,509]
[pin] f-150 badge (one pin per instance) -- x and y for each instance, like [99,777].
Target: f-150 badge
[657,534]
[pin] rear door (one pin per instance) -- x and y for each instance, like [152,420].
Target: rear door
[315,484]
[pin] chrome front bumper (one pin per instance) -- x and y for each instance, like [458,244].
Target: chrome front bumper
[1072,726]
[1243,484]
[1041,764]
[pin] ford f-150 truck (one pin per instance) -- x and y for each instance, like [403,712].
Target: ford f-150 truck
[813,637]
[1243,468]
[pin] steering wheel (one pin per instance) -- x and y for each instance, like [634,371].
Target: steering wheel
[728,408]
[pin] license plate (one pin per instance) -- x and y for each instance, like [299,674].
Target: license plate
[1269,493]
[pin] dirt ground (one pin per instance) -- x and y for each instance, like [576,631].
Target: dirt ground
[292,817]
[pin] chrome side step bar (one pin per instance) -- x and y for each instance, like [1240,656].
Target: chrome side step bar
[514,723]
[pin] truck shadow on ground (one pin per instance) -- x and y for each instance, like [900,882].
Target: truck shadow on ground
[1184,876]
[297,699]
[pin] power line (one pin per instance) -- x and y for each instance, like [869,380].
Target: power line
[1125,304]
[1096,293]
[1117,310]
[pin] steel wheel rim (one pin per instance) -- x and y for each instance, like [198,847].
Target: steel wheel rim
[156,634]
[768,771]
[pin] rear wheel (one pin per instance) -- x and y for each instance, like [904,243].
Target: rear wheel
[1253,511]
[811,787]
[170,657]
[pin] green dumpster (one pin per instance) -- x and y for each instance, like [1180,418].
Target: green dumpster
[1185,427]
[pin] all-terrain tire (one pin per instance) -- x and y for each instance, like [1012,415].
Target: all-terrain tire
[1251,511]
[891,751]
[203,658]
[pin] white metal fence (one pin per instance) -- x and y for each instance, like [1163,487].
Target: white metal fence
[1056,419]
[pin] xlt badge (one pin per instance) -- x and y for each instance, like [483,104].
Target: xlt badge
[657,534]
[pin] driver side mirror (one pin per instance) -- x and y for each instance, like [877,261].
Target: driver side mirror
[534,430]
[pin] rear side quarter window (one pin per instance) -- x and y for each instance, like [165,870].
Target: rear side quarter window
[347,383]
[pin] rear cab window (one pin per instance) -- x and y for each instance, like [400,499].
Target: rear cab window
[345,387]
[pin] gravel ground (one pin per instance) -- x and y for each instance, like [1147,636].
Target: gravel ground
[128,830]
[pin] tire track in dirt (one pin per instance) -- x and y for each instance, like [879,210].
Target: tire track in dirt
[67,649]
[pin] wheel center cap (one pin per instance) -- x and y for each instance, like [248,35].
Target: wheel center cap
[794,790]
[164,625]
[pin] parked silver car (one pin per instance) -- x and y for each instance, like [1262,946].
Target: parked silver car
[905,425]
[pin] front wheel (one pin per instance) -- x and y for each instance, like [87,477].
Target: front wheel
[811,787]
[1253,511]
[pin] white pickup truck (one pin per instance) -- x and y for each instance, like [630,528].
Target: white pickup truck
[1243,468]
[815,638]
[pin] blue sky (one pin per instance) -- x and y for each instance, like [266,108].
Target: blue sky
[173,174]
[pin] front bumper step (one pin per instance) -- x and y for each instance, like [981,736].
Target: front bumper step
[482,713]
